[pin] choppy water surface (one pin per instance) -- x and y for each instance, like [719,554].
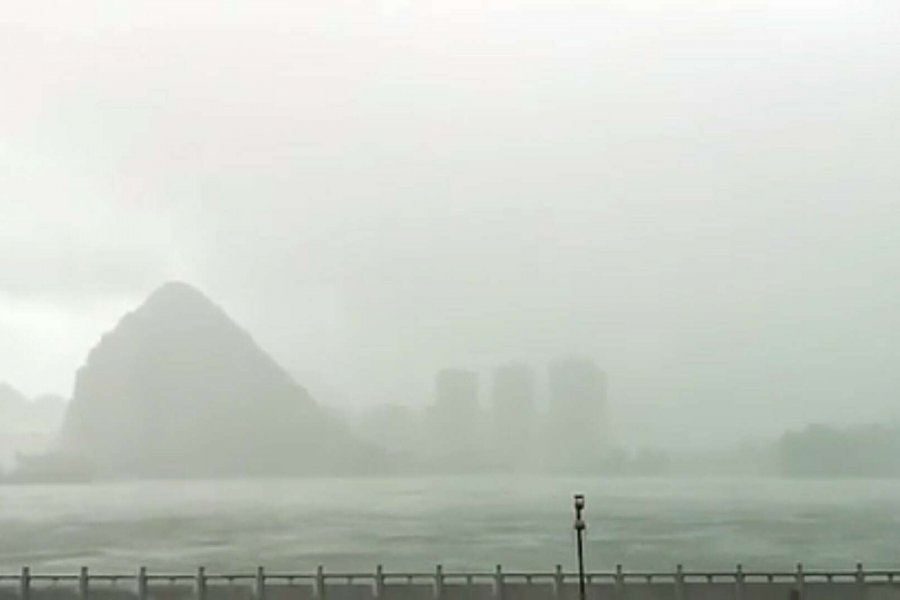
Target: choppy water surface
[472,523]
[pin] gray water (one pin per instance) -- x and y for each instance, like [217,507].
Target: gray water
[462,523]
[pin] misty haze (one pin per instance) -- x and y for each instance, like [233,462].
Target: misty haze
[385,283]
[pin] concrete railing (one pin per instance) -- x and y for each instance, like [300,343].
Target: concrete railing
[680,584]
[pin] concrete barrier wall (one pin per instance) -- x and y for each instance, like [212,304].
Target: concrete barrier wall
[857,585]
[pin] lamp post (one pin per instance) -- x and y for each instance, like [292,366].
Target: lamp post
[579,538]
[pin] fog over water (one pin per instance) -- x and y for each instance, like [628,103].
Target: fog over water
[701,197]
[463,523]
[427,240]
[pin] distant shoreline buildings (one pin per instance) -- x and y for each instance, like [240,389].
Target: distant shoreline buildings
[497,424]
[179,390]
[579,413]
[514,424]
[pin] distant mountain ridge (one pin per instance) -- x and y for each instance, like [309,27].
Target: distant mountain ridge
[10,397]
[27,424]
[20,414]
[178,389]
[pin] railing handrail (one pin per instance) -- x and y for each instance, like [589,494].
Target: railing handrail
[450,576]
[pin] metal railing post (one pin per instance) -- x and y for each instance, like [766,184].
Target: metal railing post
[260,583]
[498,583]
[861,581]
[379,582]
[558,583]
[679,582]
[320,583]
[142,583]
[438,582]
[739,582]
[83,582]
[200,583]
[25,584]
[801,579]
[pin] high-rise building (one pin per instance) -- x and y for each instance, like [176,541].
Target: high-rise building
[578,406]
[457,391]
[513,416]
[394,428]
[456,427]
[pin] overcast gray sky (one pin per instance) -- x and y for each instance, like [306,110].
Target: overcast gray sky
[701,195]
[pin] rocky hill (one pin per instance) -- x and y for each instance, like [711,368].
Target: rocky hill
[178,389]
